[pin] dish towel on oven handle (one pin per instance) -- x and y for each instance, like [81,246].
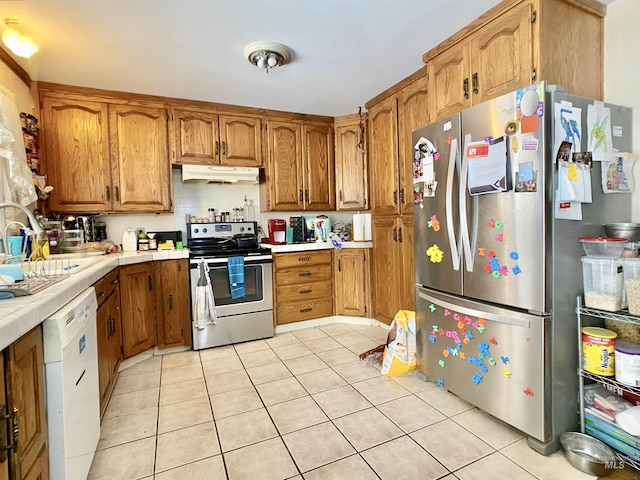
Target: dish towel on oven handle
[204,307]
[235,266]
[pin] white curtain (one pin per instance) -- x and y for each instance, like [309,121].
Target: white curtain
[16,183]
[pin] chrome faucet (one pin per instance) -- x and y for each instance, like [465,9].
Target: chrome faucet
[35,226]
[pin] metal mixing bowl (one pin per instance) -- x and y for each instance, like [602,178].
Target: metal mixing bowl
[588,454]
[630,231]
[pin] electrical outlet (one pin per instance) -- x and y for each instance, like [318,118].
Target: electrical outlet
[140,230]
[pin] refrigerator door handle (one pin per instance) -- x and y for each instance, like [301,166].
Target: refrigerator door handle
[464,219]
[451,234]
[512,318]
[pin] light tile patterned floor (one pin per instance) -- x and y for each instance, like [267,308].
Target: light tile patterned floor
[302,405]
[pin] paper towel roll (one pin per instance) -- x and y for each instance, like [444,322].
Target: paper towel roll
[358,227]
[367,227]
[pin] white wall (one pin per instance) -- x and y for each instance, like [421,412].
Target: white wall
[622,72]
[195,199]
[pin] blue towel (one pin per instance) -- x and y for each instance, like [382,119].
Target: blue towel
[235,266]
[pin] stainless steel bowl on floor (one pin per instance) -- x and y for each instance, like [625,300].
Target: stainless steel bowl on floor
[630,231]
[588,454]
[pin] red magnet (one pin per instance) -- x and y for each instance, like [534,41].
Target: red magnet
[528,392]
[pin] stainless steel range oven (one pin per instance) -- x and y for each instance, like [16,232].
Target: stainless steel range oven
[241,319]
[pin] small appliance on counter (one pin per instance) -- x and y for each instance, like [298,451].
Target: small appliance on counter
[277,231]
[299,227]
[322,228]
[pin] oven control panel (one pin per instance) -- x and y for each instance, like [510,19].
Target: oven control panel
[219,229]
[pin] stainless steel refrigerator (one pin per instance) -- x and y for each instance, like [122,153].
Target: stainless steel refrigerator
[498,263]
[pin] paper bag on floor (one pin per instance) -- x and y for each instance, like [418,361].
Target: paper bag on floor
[400,352]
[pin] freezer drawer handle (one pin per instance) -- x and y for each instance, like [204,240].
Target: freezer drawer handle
[509,318]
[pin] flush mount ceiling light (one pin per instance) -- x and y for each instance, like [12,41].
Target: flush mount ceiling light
[19,44]
[267,55]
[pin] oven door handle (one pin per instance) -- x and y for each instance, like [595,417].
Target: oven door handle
[194,262]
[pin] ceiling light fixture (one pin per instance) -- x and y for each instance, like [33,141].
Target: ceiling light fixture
[19,44]
[266,55]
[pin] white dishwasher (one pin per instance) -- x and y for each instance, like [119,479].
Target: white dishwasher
[73,398]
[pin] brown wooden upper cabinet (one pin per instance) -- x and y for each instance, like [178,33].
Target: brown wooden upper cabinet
[103,157]
[352,183]
[516,43]
[391,124]
[207,138]
[299,174]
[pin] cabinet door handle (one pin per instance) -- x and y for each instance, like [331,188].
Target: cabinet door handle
[395,197]
[305,291]
[305,310]
[402,195]
[5,446]
[395,234]
[400,234]
[474,83]
[340,195]
[108,190]
[224,148]
[465,87]
[217,148]
[306,195]
[117,191]
[108,328]
[115,281]
[100,294]
[150,283]
[339,264]
[170,302]
[304,274]
[300,195]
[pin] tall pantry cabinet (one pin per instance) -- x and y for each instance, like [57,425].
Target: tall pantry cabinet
[393,116]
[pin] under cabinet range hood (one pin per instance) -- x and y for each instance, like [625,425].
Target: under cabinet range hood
[219,174]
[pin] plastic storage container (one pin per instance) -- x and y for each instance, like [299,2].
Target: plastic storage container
[631,267]
[627,363]
[603,247]
[603,283]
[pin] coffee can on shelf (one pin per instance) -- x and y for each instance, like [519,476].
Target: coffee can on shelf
[598,353]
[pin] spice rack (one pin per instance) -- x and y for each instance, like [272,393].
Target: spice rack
[621,316]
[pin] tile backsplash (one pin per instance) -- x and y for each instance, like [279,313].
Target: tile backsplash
[196,199]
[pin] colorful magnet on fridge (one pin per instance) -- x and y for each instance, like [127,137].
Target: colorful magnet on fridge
[445,353]
[446,312]
[505,360]
[491,254]
[463,355]
[499,225]
[456,316]
[435,254]
[488,268]
[481,329]
[432,339]
[481,252]
[504,270]
[492,362]
[465,340]
[469,335]
[434,328]
[496,274]
[477,379]
[448,140]
[488,139]
[441,363]
[440,331]
[514,144]
[514,256]
[493,341]
[528,392]
[432,308]
[459,346]
[440,382]
[506,373]
[436,156]
[491,223]
[499,237]
[483,368]
[511,128]
[516,270]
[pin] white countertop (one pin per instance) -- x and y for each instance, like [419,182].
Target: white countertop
[20,314]
[303,247]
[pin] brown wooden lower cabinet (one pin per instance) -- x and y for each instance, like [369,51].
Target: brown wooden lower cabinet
[173,308]
[109,329]
[303,287]
[138,306]
[351,282]
[392,276]
[22,397]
